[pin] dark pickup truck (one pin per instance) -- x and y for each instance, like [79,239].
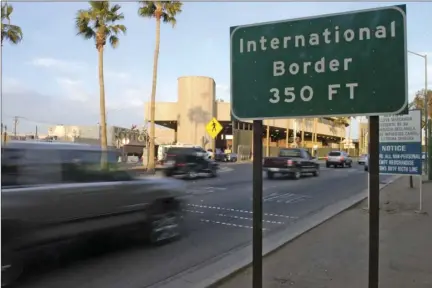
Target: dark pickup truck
[294,162]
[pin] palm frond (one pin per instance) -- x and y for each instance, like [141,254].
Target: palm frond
[9,32]
[167,10]
[98,23]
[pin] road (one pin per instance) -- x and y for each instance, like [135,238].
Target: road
[218,219]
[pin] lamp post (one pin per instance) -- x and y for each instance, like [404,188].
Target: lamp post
[428,128]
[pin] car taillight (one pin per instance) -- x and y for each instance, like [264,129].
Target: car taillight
[341,158]
[180,164]
[289,162]
[326,157]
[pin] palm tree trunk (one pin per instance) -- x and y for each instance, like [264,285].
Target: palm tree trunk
[104,142]
[303,133]
[151,162]
[349,135]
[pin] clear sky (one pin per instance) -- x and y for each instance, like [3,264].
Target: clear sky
[51,77]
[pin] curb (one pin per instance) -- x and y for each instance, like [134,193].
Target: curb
[216,270]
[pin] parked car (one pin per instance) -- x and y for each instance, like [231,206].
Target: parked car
[231,157]
[219,156]
[338,159]
[362,159]
[188,162]
[293,161]
[56,192]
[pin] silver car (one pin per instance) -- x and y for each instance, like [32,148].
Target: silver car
[54,191]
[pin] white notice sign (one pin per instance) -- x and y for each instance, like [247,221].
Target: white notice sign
[400,128]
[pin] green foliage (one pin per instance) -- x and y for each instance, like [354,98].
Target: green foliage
[419,103]
[165,10]
[98,23]
[9,32]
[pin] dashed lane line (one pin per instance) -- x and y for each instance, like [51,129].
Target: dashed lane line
[249,219]
[240,211]
[228,224]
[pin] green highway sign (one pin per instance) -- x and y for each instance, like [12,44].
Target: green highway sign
[333,65]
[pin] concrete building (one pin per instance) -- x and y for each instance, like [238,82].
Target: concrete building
[91,134]
[196,105]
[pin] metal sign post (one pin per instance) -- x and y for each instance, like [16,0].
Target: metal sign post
[257,190]
[361,72]
[374,198]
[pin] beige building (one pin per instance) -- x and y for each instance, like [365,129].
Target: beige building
[196,105]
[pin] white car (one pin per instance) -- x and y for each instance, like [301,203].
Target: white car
[362,159]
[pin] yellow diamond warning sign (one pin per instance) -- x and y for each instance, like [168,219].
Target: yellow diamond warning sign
[213,128]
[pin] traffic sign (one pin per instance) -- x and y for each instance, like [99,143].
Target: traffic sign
[400,150]
[352,63]
[213,128]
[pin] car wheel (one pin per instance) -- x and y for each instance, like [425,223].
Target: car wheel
[164,228]
[365,168]
[296,175]
[12,268]
[191,175]
[213,172]
[270,175]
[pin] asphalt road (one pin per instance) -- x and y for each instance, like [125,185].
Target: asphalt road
[218,219]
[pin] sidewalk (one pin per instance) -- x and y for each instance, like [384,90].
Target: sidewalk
[335,254]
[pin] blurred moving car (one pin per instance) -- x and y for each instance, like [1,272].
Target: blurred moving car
[338,159]
[362,159]
[188,162]
[294,162]
[57,192]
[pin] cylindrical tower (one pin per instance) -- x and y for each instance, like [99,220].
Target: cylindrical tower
[196,107]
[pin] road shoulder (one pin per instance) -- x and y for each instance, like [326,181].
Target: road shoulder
[334,254]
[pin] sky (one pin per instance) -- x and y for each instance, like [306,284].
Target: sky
[51,77]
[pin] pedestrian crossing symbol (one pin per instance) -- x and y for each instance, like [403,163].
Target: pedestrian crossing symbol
[213,128]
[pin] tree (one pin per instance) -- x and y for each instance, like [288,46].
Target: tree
[98,23]
[419,103]
[165,11]
[9,32]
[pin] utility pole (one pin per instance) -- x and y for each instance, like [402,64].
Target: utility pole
[16,118]
[36,133]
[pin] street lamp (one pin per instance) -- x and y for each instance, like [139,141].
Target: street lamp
[428,128]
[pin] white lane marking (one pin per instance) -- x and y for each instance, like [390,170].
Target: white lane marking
[240,211]
[205,190]
[228,224]
[249,219]
[193,211]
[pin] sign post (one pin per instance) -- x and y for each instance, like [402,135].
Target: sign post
[345,64]
[400,145]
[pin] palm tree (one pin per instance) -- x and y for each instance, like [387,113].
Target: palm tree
[9,32]
[165,11]
[98,23]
